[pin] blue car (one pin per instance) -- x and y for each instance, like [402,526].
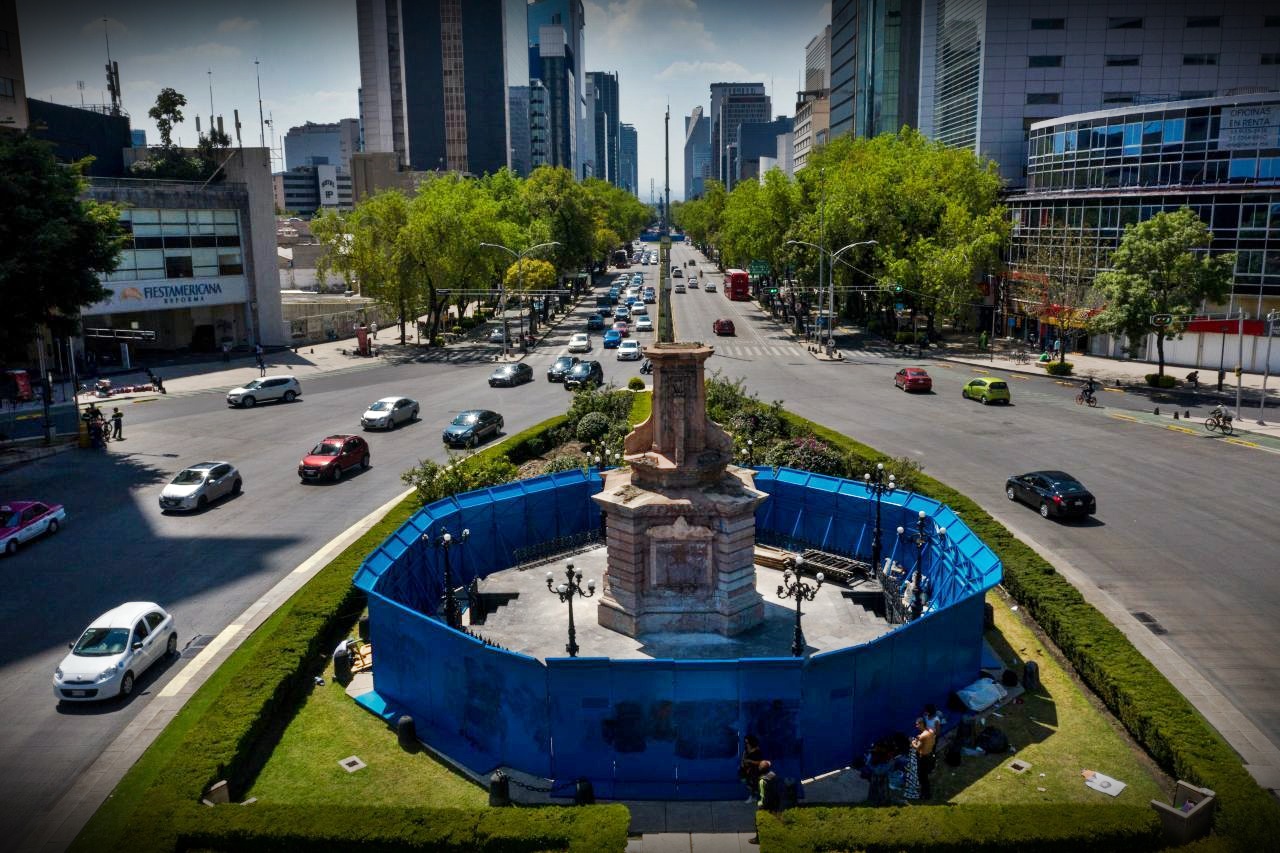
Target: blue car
[612,338]
[595,323]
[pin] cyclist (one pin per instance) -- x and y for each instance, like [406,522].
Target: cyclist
[1221,413]
[1086,394]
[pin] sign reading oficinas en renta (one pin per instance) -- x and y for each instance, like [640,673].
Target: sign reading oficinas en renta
[168,294]
[1249,127]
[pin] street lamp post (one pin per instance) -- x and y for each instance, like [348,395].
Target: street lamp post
[800,591]
[878,485]
[831,293]
[1272,318]
[502,293]
[445,541]
[749,452]
[571,587]
[919,538]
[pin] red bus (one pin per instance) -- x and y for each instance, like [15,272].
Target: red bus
[737,286]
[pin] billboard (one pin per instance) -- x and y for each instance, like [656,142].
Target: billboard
[168,293]
[1249,127]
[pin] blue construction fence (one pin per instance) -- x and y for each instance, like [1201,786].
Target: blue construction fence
[661,729]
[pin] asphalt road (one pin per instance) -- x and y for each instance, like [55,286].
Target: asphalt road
[1184,530]
[206,567]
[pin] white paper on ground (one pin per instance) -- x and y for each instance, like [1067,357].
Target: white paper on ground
[1105,784]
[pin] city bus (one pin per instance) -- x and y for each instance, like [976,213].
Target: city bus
[620,259]
[737,285]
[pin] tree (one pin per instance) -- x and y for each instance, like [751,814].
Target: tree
[57,245]
[167,113]
[538,275]
[563,207]
[1161,267]
[1059,278]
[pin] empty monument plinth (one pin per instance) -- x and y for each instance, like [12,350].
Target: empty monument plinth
[680,519]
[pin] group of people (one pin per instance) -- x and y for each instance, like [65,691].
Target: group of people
[103,428]
[910,760]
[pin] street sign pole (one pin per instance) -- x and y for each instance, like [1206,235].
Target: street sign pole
[1266,370]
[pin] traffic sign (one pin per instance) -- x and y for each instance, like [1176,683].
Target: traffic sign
[897,306]
[758,268]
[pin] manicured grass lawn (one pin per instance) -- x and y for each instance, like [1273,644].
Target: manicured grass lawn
[1058,730]
[304,770]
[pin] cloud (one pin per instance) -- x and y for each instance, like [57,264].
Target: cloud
[622,24]
[237,25]
[683,69]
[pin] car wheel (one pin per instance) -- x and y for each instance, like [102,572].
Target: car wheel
[289,396]
[202,503]
[337,473]
[236,487]
[248,402]
[1044,510]
[986,401]
[501,425]
[964,392]
[473,441]
[53,525]
[414,416]
[1009,493]
[171,648]
[364,462]
[11,547]
[126,685]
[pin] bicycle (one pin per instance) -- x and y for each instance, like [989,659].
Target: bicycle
[1087,396]
[1021,356]
[1219,423]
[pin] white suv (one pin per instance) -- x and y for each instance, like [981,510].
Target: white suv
[284,388]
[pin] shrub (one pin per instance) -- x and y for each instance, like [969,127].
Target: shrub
[635,383]
[437,341]
[456,330]
[610,402]
[567,462]
[592,427]
[905,338]
[1158,380]
[807,454]
[905,470]
[1058,368]
[434,481]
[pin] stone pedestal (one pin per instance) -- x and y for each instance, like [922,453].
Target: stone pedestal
[680,520]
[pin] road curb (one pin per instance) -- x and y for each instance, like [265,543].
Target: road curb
[36,453]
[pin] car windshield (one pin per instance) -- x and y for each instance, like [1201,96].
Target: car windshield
[257,383]
[562,362]
[380,406]
[506,368]
[102,642]
[190,477]
[466,419]
[583,367]
[323,449]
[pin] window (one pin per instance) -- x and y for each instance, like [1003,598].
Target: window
[1199,59]
[1118,97]
[178,266]
[140,631]
[1201,21]
[230,265]
[1123,60]
[1243,169]
[1044,97]
[1193,94]
[1044,61]
[1271,59]
[6,87]
[153,620]
[1124,23]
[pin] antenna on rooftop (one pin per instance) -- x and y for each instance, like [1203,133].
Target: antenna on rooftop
[262,125]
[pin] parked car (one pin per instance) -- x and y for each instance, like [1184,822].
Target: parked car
[284,388]
[199,485]
[723,326]
[595,323]
[511,375]
[622,328]
[114,651]
[333,456]
[499,335]
[469,428]
[612,338]
[389,413]
[1054,493]
[988,389]
[629,351]
[580,342]
[913,379]
[644,323]
[584,373]
[561,366]
[22,521]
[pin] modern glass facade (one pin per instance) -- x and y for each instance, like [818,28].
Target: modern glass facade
[169,243]
[958,69]
[1097,173]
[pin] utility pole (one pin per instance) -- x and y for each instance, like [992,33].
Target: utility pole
[262,125]
[1272,318]
[666,143]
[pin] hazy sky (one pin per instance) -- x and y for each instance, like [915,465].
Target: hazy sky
[663,51]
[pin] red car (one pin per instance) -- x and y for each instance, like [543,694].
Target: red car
[333,456]
[723,327]
[912,379]
[622,328]
[22,521]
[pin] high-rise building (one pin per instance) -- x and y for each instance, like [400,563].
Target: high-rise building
[697,152]
[587,132]
[605,122]
[539,125]
[731,105]
[875,64]
[628,158]
[13,92]
[813,105]
[518,113]
[753,141]
[556,60]
[322,144]
[312,188]
[433,85]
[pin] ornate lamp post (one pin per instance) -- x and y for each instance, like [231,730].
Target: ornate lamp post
[445,541]
[878,485]
[919,538]
[571,587]
[800,591]
[749,452]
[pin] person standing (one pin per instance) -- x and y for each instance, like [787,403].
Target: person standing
[770,797]
[373,329]
[262,363]
[117,424]
[226,351]
[923,744]
[749,770]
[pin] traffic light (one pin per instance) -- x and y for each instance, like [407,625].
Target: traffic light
[897,288]
[773,290]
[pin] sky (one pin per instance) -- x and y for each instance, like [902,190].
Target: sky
[664,52]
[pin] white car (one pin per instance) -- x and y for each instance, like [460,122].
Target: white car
[629,351]
[114,651]
[389,413]
[679,288]
[284,388]
[644,323]
[200,485]
[581,342]
[693,281]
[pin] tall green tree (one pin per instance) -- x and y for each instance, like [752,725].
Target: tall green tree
[1161,267]
[57,244]
[167,113]
[563,208]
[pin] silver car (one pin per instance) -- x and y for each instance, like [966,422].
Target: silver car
[284,388]
[389,413]
[200,485]
[114,651]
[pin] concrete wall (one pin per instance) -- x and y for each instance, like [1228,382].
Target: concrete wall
[252,167]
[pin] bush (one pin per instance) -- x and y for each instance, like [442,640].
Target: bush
[1058,368]
[905,338]
[592,427]
[434,481]
[905,470]
[807,454]
[567,462]
[635,383]
[1157,380]
[612,403]
[456,330]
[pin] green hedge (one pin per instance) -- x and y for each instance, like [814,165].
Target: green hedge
[1154,712]
[1160,380]
[1048,828]
[1058,368]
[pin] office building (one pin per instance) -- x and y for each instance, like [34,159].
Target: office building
[518,112]
[322,144]
[539,125]
[75,133]
[731,105]
[13,90]
[697,152]
[433,85]
[628,158]
[307,190]
[754,140]
[556,61]
[606,126]
[138,138]
[587,132]
[875,63]
[813,104]
[1094,173]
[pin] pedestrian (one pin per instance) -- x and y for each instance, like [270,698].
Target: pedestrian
[262,366]
[982,341]
[1057,346]
[373,329]
[117,424]
[749,769]
[226,351]
[933,718]
[770,795]
[922,746]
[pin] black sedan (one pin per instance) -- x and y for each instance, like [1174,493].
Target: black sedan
[1055,493]
[469,428]
[584,374]
[561,366]
[510,374]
